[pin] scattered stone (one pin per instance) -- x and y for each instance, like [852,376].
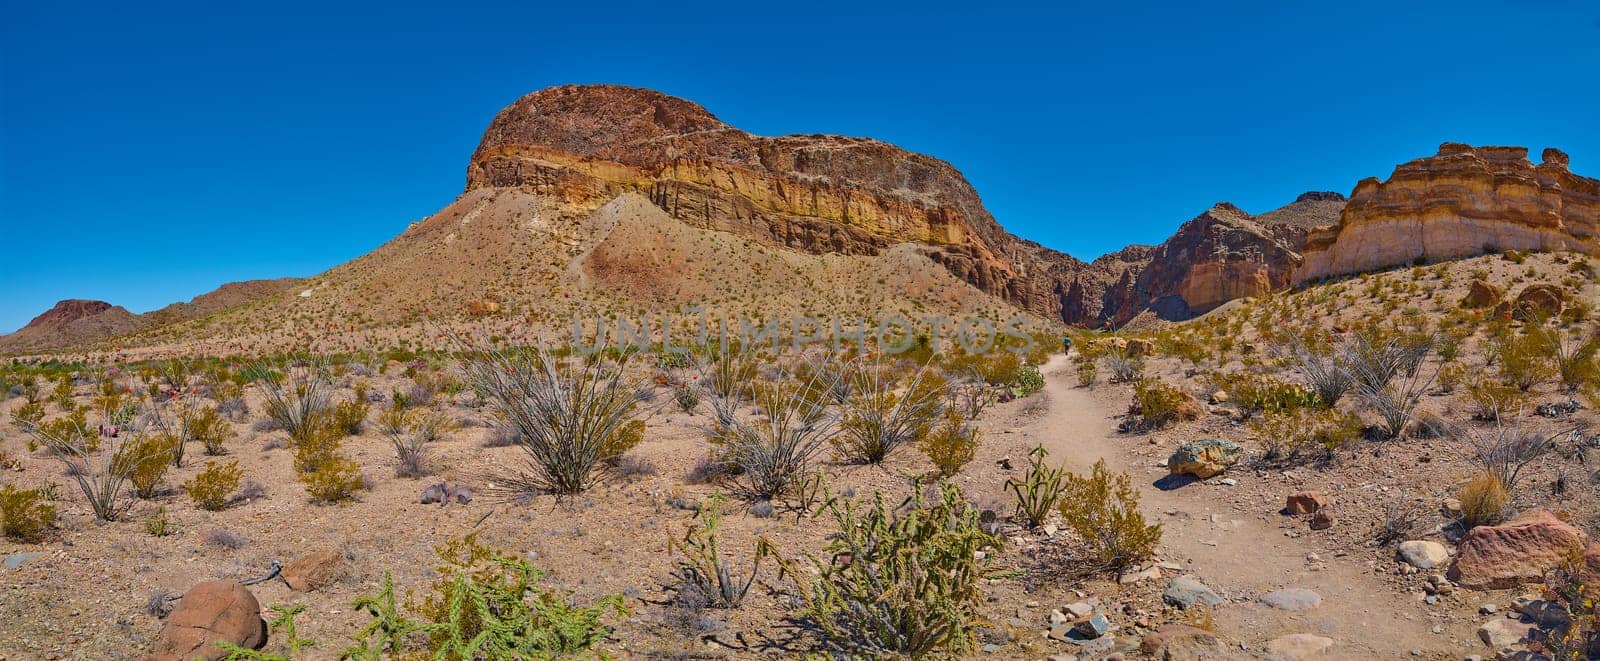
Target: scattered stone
[1558,409]
[1423,554]
[1292,599]
[1305,502]
[443,493]
[1488,609]
[1141,575]
[210,612]
[1078,609]
[1499,633]
[1204,458]
[1322,520]
[17,560]
[1228,482]
[1186,591]
[1521,550]
[1173,641]
[1094,627]
[1219,397]
[1297,646]
[991,648]
[315,570]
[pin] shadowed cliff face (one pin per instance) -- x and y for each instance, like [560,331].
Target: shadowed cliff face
[819,193]
[1461,202]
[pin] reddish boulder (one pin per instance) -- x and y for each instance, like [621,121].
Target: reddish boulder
[1482,295]
[1305,502]
[1173,641]
[209,613]
[1539,302]
[1521,550]
[314,570]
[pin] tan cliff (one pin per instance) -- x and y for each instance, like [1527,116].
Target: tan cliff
[1461,202]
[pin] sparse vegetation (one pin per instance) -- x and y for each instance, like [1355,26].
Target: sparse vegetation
[951,444]
[1103,510]
[25,514]
[1041,487]
[211,488]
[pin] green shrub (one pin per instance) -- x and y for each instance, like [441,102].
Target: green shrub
[1254,393]
[210,488]
[335,480]
[1087,373]
[1159,404]
[702,573]
[1028,381]
[1039,489]
[158,524]
[485,604]
[1291,434]
[907,584]
[147,460]
[1103,509]
[25,516]
[205,426]
[349,416]
[951,445]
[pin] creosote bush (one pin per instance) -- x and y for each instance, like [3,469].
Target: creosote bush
[1296,433]
[1103,509]
[897,582]
[951,445]
[1159,404]
[149,456]
[210,488]
[25,514]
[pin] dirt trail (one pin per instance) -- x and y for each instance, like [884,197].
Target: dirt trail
[1243,555]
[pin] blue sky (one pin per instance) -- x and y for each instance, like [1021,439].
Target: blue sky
[150,154]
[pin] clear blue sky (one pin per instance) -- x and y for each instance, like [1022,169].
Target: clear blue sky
[149,155]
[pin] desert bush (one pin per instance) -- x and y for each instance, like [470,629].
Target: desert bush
[570,419]
[1492,399]
[296,393]
[209,429]
[1572,588]
[1028,381]
[101,469]
[158,524]
[210,488]
[484,605]
[1396,400]
[970,397]
[62,394]
[25,514]
[1291,434]
[1041,487]
[686,397]
[1254,393]
[1103,509]
[1372,358]
[702,572]
[1483,500]
[1087,373]
[726,379]
[774,449]
[349,416]
[335,481]
[28,415]
[1397,522]
[318,445]
[1159,404]
[879,417]
[910,587]
[951,445]
[148,459]
[1000,368]
[1321,369]
[411,446]
[1572,356]
[1504,450]
[1524,361]
[1123,368]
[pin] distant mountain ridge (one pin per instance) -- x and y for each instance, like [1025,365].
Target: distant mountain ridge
[604,199]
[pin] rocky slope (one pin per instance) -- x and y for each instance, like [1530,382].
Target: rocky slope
[1460,202]
[71,322]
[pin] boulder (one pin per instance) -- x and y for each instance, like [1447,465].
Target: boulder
[209,613]
[1297,646]
[1204,458]
[1482,295]
[1305,502]
[1423,554]
[1322,520]
[1520,550]
[1186,591]
[1140,347]
[314,570]
[1541,301]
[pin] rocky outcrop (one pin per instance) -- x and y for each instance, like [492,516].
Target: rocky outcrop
[1463,201]
[1521,550]
[588,144]
[209,613]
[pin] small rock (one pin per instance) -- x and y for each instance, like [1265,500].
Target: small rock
[17,560]
[1181,641]
[1500,633]
[1078,609]
[1423,554]
[1204,458]
[991,648]
[1141,575]
[1186,591]
[1322,520]
[1305,502]
[1488,609]
[314,570]
[1093,627]
[1298,646]
[1228,482]
[1292,599]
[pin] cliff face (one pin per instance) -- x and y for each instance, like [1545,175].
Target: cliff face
[585,145]
[1458,203]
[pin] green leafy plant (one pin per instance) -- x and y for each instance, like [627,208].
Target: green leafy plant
[1041,487]
[282,622]
[1029,380]
[951,445]
[25,514]
[1158,404]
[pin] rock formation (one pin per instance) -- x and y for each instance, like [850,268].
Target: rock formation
[1461,202]
[72,321]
